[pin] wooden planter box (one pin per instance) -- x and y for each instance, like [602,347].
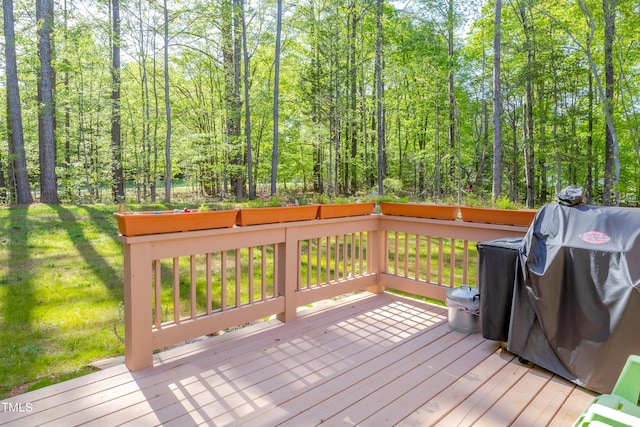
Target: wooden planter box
[253,216]
[420,210]
[522,217]
[142,223]
[344,210]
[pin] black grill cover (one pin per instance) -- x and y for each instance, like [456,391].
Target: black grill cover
[577,311]
[498,268]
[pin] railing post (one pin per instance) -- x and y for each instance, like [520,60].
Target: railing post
[376,254]
[137,306]
[287,265]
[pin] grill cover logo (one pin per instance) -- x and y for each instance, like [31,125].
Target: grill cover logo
[595,237]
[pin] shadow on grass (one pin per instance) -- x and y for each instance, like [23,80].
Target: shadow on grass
[17,282]
[111,278]
[105,224]
[35,348]
[18,302]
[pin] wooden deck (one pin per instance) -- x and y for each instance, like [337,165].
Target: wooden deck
[367,360]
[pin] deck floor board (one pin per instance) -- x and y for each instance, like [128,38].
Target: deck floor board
[365,359]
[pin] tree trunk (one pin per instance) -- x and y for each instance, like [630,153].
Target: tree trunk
[167,106]
[145,164]
[153,181]
[117,175]
[452,99]
[380,120]
[529,160]
[46,123]
[316,104]
[497,107]
[238,157]
[611,156]
[68,172]
[18,167]
[590,143]
[484,135]
[247,109]
[276,90]
[543,192]
[353,114]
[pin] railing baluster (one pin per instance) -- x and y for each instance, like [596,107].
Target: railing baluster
[276,274]
[385,266]
[309,262]
[416,261]
[327,254]
[223,280]
[465,262]
[192,285]
[336,259]
[157,277]
[452,271]
[263,272]
[345,269]
[250,274]
[360,253]
[238,276]
[395,252]
[176,290]
[353,255]
[428,266]
[406,254]
[209,278]
[318,260]
[440,259]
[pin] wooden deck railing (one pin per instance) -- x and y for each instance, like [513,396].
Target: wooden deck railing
[179,286]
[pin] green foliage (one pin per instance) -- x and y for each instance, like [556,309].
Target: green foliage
[476,200]
[265,200]
[328,100]
[393,187]
[503,202]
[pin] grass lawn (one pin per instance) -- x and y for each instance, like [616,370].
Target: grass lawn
[60,293]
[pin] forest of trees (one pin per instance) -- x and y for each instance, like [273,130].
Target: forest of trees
[436,100]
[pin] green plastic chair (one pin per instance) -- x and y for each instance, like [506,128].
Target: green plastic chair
[620,408]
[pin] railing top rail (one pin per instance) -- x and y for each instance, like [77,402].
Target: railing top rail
[385,222]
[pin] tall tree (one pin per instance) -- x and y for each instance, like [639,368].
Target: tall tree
[117,177]
[497,106]
[612,159]
[524,9]
[352,126]
[167,106]
[451,93]
[16,133]
[231,64]
[46,121]
[276,94]
[380,119]
[247,109]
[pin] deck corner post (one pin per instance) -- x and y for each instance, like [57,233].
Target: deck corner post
[137,306]
[377,251]
[287,276]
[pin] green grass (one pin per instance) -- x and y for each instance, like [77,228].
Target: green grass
[61,293]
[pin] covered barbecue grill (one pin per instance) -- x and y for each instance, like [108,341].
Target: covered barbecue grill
[576,307]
